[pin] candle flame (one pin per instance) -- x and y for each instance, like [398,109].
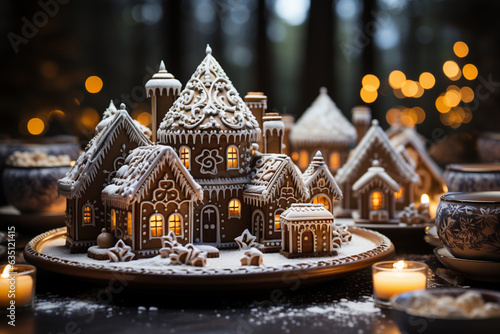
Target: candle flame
[399,265]
[424,199]
[445,188]
[5,273]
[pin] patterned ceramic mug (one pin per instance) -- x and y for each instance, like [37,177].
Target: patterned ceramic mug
[468,226]
[472,177]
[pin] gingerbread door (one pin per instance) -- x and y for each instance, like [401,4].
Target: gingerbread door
[307,242]
[258,225]
[209,224]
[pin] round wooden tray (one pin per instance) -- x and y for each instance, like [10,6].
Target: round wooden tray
[34,222]
[291,273]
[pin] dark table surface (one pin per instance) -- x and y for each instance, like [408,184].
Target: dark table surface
[68,305]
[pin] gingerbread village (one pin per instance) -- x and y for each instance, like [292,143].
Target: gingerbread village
[218,172]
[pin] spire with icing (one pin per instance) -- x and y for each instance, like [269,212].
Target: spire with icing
[162,67]
[208,50]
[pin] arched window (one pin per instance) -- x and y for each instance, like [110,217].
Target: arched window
[376,200]
[303,159]
[234,208]
[174,223]
[398,195]
[88,215]
[156,225]
[277,219]
[129,223]
[185,155]
[322,199]
[335,160]
[232,157]
[113,220]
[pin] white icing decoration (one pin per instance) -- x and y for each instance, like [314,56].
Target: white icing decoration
[208,160]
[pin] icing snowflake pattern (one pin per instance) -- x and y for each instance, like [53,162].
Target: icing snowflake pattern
[208,160]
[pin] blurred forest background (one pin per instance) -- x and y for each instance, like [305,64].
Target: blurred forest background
[62,61]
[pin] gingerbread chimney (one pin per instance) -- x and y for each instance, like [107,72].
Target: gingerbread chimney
[163,89]
[273,130]
[257,103]
[361,119]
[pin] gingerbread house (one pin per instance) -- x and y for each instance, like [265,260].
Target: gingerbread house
[324,127]
[86,215]
[375,145]
[375,192]
[307,230]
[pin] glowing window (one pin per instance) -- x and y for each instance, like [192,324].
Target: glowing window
[303,159]
[377,200]
[232,157]
[185,155]
[335,160]
[88,217]
[113,220]
[277,220]
[321,199]
[398,194]
[129,223]
[295,156]
[174,223]
[156,225]
[234,208]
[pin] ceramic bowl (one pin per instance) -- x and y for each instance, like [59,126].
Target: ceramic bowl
[488,147]
[34,189]
[409,323]
[472,177]
[468,226]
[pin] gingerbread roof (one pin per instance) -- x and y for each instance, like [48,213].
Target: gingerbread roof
[267,176]
[323,122]
[135,178]
[375,177]
[87,166]
[409,138]
[375,136]
[318,169]
[306,211]
[209,105]
[107,118]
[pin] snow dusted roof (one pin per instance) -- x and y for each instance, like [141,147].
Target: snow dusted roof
[86,167]
[306,211]
[375,135]
[107,118]
[410,138]
[135,178]
[318,169]
[209,104]
[323,122]
[268,175]
[377,176]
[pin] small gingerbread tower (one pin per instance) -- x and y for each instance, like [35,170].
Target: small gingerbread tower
[361,118]
[257,103]
[274,130]
[163,89]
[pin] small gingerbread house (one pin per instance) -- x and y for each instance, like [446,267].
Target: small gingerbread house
[375,192]
[307,231]
[116,136]
[151,194]
[375,145]
[324,127]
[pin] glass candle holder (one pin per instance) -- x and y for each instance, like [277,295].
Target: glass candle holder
[391,278]
[17,286]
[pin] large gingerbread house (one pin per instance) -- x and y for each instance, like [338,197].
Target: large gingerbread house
[324,127]
[204,179]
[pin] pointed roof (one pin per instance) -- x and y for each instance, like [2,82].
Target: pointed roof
[323,122]
[319,169]
[376,176]
[375,136]
[107,118]
[164,82]
[135,178]
[410,138]
[208,104]
[87,166]
[267,176]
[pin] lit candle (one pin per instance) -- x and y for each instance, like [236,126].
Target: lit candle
[390,279]
[17,285]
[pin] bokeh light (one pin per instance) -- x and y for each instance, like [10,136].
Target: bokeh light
[370,82]
[35,126]
[396,79]
[368,96]
[451,70]
[467,94]
[461,49]
[89,118]
[144,118]
[420,90]
[452,98]
[470,72]
[427,80]
[93,84]
[409,88]
[441,106]
[49,69]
